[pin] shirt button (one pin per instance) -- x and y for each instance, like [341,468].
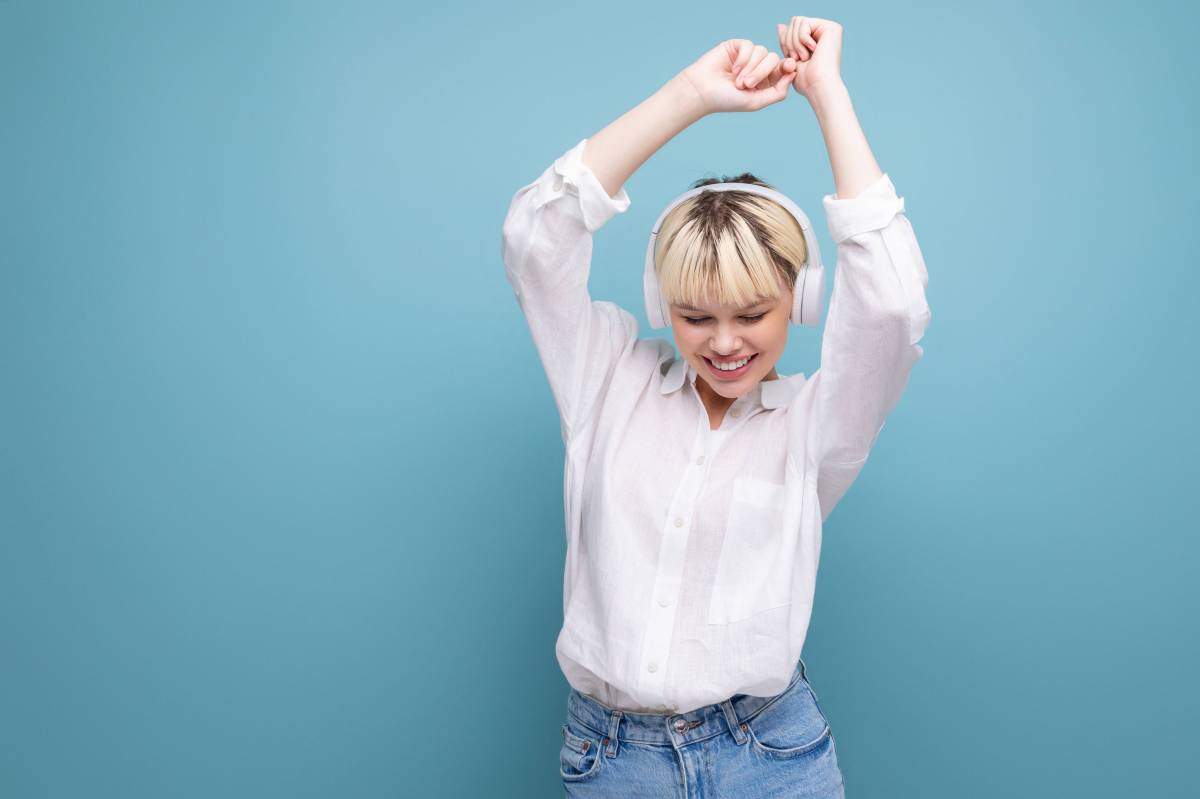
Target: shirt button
[700,460]
[664,602]
[661,707]
[736,412]
[558,183]
[678,521]
[652,666]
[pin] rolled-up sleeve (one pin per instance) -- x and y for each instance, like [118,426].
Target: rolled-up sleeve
[546,246]
[877,314]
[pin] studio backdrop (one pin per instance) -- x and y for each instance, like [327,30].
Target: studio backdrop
[281,506]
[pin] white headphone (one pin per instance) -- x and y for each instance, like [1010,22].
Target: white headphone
[810,280]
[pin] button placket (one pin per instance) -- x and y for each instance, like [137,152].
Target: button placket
[669,576]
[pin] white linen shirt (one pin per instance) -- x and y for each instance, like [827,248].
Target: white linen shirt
[692,553]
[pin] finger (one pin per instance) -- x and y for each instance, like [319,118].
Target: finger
[769,74]
[750,67]
[773,92]
[751,74]
[745,50]
[793,40]
[784,69]
[767,70]
[781,85]
[781,29]
[806,35]
[764,68]
[803,39]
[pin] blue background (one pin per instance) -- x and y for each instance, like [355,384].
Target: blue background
[280,496]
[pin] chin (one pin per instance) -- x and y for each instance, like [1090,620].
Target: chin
[731,389]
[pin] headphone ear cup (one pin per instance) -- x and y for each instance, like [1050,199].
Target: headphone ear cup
[816,293]
[653,297]
[650,289]
[797,302]
[808,295]
[810,285]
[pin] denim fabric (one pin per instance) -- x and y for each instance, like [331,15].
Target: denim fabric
[748,747]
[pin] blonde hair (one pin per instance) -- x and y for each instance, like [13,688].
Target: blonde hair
[728,247]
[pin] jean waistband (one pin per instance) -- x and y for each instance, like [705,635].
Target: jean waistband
[672,729]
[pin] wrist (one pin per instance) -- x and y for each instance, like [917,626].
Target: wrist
[681,95]
[827,93]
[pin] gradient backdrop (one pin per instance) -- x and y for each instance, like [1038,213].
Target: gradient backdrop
[280,474]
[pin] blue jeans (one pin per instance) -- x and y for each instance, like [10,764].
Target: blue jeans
[747,746]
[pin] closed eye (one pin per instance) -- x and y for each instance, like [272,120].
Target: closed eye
[699,320]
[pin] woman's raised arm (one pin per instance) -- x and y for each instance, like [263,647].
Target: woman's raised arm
[878,310]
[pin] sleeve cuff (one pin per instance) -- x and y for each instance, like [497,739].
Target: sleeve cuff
[873,209]
[572,175]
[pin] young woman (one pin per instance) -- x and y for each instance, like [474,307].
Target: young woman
[696,484]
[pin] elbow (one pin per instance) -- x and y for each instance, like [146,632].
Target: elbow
[516,234]
[519,221]
[918,323]
[905,318]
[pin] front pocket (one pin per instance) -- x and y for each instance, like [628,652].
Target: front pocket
[812,747]
[579,757]
[749,553]
[791,726]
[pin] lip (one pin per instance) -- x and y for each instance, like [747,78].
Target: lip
[735,374]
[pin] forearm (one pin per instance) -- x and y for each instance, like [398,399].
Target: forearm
[615,153]
[854,166]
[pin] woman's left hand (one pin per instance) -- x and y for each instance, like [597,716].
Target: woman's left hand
[815,45]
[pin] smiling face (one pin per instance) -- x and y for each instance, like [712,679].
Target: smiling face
[726,263]
[707,335]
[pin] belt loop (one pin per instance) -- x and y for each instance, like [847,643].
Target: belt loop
[803,671]
[614,722]
[735,726]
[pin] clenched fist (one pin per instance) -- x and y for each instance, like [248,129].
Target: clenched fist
[738,75]
[816,47]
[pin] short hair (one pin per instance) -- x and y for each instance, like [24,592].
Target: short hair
[728,247]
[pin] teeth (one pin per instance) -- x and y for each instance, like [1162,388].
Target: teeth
[731,366]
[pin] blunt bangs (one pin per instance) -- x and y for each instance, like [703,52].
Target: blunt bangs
[729,248]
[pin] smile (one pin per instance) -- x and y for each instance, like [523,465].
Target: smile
[730,374]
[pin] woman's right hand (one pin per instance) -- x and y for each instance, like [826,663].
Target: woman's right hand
[738,75]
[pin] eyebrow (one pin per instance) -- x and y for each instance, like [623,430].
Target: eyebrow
[683,307]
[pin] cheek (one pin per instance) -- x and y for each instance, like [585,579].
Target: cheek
[775,340]
[688,338]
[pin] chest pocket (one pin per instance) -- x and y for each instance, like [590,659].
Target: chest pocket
[751,546]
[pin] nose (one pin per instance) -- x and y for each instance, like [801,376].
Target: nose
[726,341]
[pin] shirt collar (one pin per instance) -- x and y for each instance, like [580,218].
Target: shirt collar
[768,393]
